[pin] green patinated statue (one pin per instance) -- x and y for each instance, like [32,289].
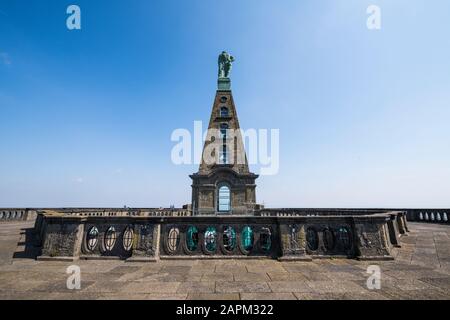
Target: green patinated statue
[225,61]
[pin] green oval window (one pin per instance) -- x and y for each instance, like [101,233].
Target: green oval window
[229,238]
[210,238]
[192,238]
[247,238]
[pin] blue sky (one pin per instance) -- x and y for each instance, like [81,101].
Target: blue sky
[87,115]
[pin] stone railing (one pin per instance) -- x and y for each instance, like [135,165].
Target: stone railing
[311,212]
[362,235]
[16,214]
[429,215]
[127,212]
[417,215]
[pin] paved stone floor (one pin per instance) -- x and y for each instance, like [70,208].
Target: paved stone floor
[421,271]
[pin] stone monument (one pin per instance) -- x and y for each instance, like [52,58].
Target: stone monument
[224,185]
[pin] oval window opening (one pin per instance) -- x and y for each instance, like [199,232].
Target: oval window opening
[210,239]
[344,238]
[312,239]
[247,238]
[229,238]
[192,238]
[328,239]
[173,239]
[265,239]
[110,238]
[128,236]
[92,239]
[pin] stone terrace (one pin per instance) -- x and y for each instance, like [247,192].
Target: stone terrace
[421,271]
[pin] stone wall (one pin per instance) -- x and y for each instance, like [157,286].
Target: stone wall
[144,238]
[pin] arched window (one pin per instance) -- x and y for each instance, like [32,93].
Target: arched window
[224,198]
[224,112]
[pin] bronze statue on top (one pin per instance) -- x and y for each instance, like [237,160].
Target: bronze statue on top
[225,61]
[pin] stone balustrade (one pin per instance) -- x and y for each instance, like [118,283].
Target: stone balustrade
[143,237]
[429,215]
[119,212]
[16,214]
[418,215]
